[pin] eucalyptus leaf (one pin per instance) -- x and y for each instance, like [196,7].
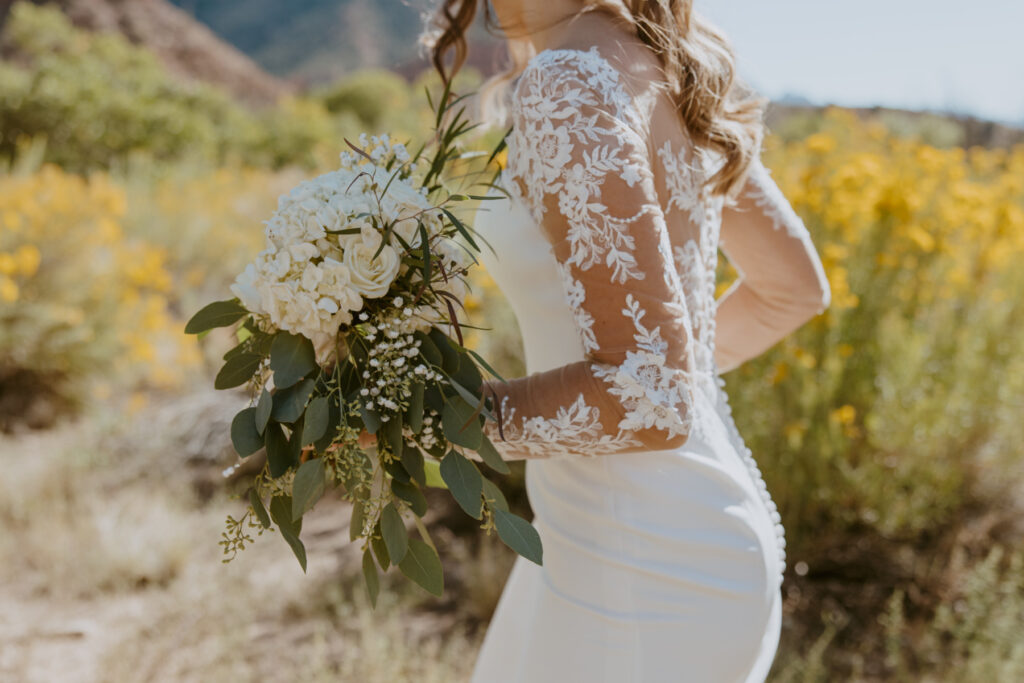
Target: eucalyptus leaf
[318,414]
[259,509]
[392,433]
[467,374]
[461,228]
[370,577]
[411,494]
[392,528]
[433,398]
[334,419]
[290,403]
[279,455]
[472,398]
[464,481]
[491,491]
[459,424]
[422,565]
[397,471]
[262,342]
[235,351]
[264,407]
[519,535]
[291,358]
[491,457]
[380,549]
[217,314]
[237,371]
[244,435]
[449,354]
[428,349]
[281,511]
[371,419]
[355,524]
[414,414]
[308,486]
[412,461]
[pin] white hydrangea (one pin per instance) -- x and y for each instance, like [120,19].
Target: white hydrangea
[310,280]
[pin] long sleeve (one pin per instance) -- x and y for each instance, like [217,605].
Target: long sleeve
[782,283]
[579,161]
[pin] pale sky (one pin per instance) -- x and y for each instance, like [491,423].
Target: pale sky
[965,56]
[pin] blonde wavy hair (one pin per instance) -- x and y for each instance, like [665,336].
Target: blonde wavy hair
[719,110]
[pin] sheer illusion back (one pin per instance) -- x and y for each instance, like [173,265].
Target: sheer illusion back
[602,161]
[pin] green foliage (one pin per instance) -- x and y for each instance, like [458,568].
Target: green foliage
[373,96]
[97,99]
[973,636]
[889,424]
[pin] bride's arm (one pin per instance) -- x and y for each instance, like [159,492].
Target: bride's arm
[585,173]
[782,282]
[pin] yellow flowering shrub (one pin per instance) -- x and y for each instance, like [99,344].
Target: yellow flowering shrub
[887,410]
[80,299]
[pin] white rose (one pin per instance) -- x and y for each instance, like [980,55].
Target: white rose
[370,276]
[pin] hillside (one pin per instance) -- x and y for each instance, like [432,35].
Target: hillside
[315,40]
[186,46]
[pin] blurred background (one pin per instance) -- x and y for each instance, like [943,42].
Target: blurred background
[142,144]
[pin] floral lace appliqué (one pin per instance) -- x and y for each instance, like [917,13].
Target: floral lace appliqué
[653,394]
[575,430]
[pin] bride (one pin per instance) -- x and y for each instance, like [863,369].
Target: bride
[633,158]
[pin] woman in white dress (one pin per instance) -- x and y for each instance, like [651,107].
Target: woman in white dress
[633,158]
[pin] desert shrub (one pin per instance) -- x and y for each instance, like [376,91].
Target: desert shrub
[81,302]
[879,413]
[97,99]
[972,637]
[372,95]
[890,423]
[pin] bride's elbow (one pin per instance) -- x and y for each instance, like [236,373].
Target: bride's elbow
[663,441]
[661,426]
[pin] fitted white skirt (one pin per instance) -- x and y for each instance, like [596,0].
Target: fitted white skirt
[658,566]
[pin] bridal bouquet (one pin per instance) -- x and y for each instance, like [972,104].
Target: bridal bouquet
[345,324]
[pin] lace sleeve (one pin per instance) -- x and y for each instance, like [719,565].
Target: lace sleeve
[782,282]
[582,167]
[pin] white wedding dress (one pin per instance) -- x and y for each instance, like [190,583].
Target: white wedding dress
[663,551]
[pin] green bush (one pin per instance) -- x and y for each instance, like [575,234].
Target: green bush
[889,427]
[98,99]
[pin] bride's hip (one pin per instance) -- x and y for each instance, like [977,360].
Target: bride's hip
[654,574]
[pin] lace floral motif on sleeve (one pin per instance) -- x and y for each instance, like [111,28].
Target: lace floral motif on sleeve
[582,167]
[650,391]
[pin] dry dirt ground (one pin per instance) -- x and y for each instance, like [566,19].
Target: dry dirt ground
[112,571]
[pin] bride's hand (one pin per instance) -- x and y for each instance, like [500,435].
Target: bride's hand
[367,440]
